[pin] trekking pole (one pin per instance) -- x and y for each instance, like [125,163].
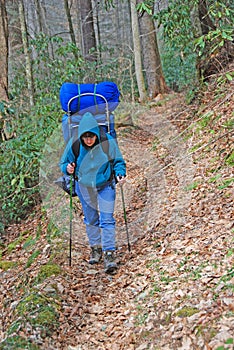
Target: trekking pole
[70,205]
[125,217]
[70,229]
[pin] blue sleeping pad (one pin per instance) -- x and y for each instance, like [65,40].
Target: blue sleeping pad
[92,103]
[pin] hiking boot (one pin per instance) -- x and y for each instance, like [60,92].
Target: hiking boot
[96,255]
[109,262]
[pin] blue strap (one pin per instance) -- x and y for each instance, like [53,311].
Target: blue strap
[78,87]
[95,100]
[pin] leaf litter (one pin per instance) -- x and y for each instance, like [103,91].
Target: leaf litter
[174,290]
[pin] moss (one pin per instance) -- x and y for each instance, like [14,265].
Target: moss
[30,303]
[229,160]
[34,302]
[32,258]
[15,243]
[14,327]
[229,124]
[17,343]
[187,311]
[168,318]
[46,318]
[30,241]
[52,232]
[47,271]
[192,186]
[226,183]
[155,144]
[38,310]
[205,120]
[208,333]
[6,265]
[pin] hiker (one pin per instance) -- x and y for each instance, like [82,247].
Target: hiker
[97,174]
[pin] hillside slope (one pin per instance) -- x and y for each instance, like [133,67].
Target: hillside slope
[174,289]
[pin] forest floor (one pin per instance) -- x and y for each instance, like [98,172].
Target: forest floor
[174,289]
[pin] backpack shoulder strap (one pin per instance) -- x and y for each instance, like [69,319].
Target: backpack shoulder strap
[103,138]
[76,149]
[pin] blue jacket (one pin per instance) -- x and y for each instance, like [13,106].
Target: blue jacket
[94,167]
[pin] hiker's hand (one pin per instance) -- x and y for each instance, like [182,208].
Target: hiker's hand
[71,168]
[121,179]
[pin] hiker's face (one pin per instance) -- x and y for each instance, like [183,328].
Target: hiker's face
[89,140]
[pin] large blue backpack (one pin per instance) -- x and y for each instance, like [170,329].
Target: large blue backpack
[99,99]
[77,99]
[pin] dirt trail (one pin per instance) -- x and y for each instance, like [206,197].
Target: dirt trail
[106,310]
[178,166]
[173,290]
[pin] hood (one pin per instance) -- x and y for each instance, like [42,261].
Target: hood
[88,124]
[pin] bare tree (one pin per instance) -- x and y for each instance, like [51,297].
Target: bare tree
[137,52]
[68,13]
[3,52]
[29,75]
[41,17]
[96,26]
[151,58]
[72,33]
[88,41]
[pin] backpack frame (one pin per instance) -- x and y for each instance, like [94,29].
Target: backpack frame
[70,121]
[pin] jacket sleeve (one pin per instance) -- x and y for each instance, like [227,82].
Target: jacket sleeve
[67,158]
[119,164]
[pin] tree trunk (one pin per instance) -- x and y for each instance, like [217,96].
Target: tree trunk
[206,22]
[39,16]
[87,30]
[137,52]
[151,58]
[3,52]
[44,28]
[95,7]
[69,19]
[29,76]
[71,30]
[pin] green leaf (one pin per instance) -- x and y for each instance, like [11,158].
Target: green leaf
[13,181]
[229,77]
